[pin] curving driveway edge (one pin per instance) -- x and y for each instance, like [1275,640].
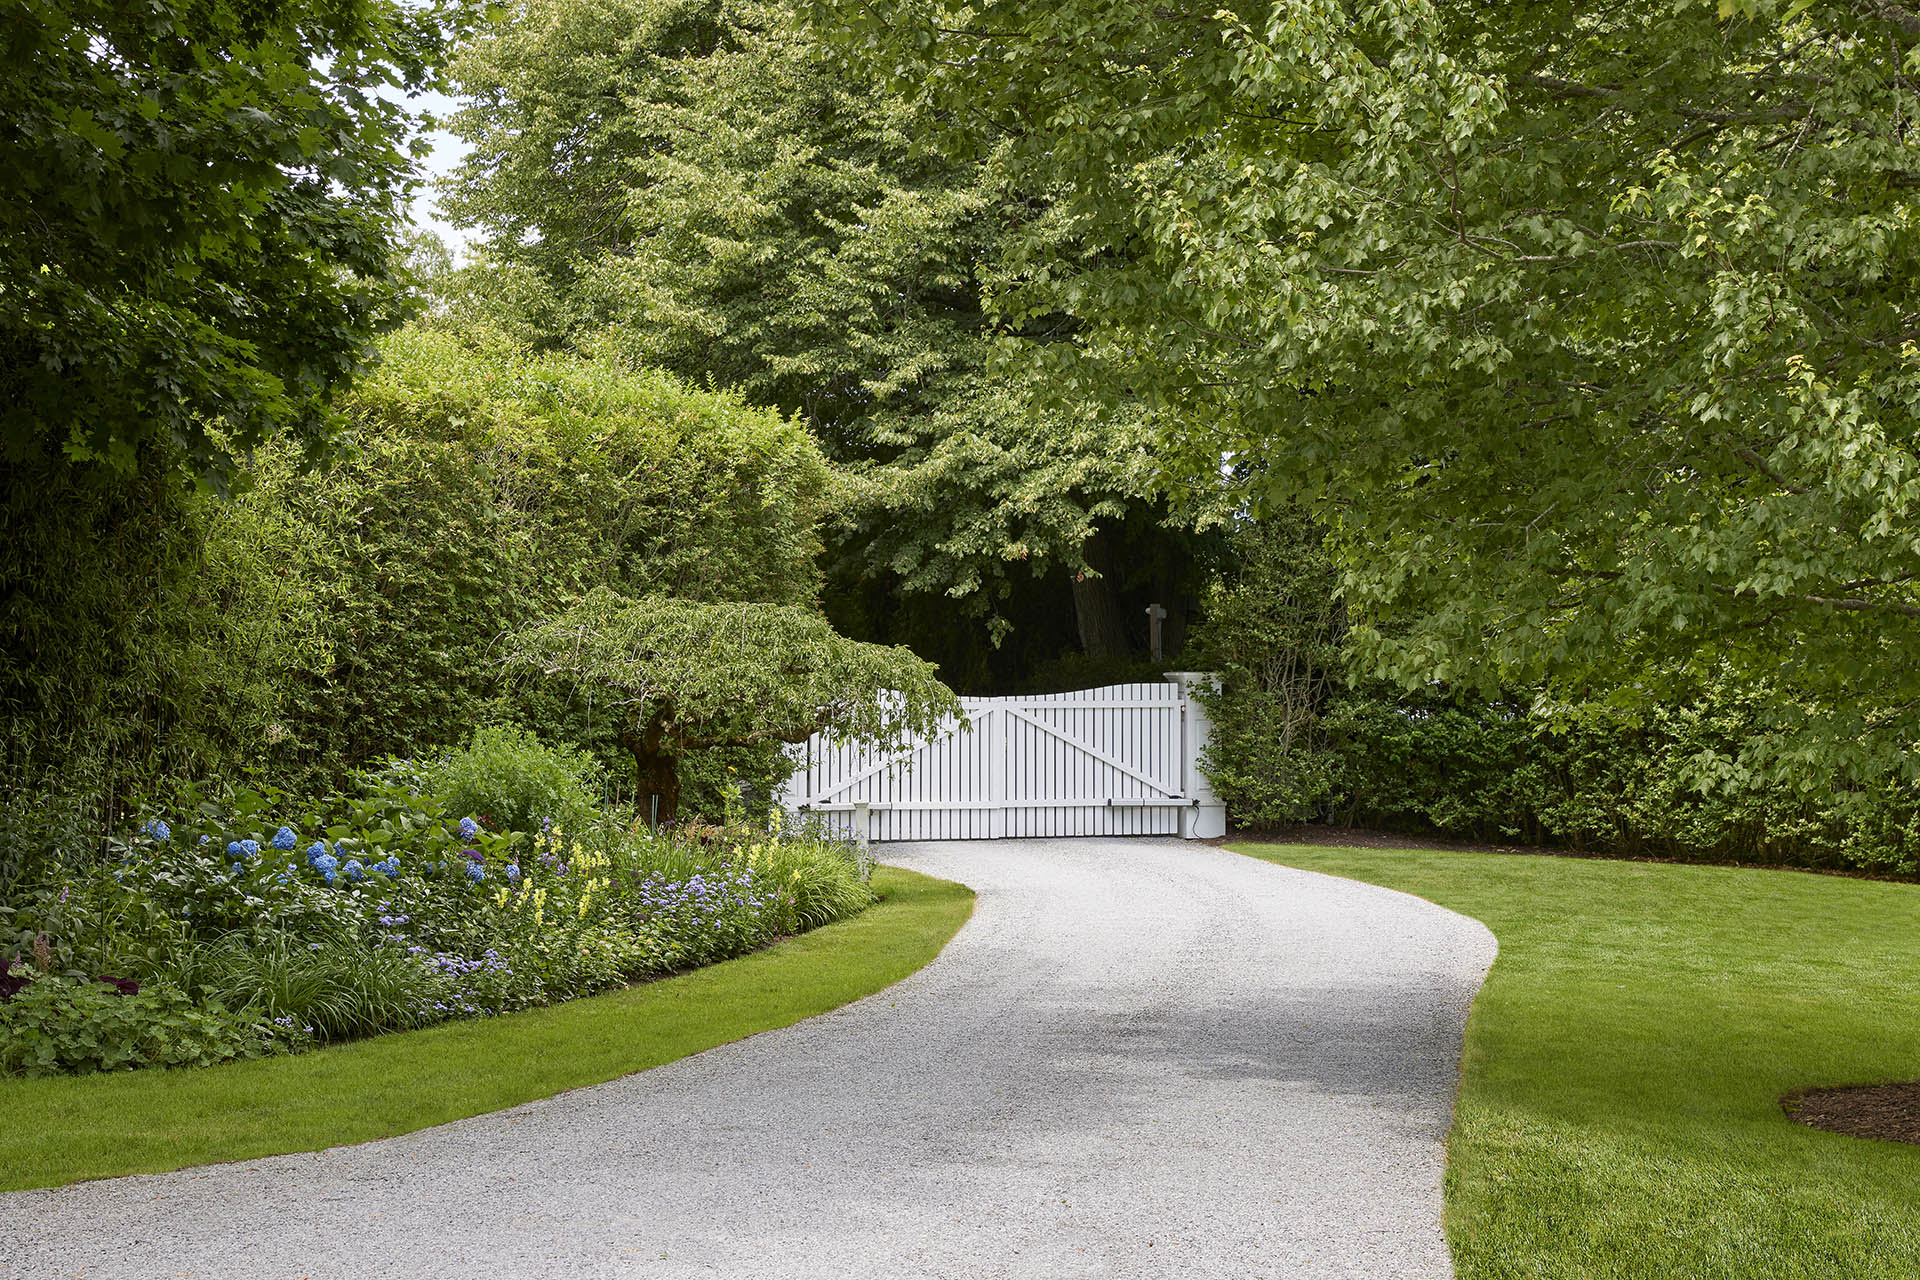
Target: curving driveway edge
[1140,1058]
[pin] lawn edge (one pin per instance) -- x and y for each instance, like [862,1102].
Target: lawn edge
[934,908]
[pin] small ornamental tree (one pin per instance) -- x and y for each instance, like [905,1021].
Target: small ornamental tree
[686,677]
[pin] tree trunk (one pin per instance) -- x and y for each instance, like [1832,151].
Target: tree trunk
[657,767]
[1096,606]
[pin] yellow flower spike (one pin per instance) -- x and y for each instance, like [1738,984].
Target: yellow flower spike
[500,899]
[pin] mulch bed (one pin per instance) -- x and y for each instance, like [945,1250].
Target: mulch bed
[1889,1112]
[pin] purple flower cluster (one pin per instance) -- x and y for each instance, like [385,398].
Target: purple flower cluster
[461,967]
[704,917]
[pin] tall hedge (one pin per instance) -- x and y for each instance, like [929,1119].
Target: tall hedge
[147,628]
[319,621]
[484,490]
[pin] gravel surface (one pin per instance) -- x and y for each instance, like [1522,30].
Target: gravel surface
[1140,1058]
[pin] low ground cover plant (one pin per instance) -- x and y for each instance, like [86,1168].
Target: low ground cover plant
[226,928]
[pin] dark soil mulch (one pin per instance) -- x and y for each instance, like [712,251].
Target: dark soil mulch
[1889,1112]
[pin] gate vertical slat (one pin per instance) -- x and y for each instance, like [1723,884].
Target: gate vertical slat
[1107,761]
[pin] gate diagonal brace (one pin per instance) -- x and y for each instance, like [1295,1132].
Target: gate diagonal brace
[1089,749]
[904,754]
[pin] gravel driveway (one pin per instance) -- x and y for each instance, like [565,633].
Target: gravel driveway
[1140,1058]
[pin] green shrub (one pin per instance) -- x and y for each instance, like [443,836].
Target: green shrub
[59,1024]
[511,781]
[487,489]
[379,911]
[1295,740]
[1273,633]
[818,880]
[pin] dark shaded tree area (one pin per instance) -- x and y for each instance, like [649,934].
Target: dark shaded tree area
[699,185]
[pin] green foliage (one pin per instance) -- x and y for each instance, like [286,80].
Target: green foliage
[701,186]
[1273,633]
[1296,740]
[1665,783]
[380,909]
[487,489]
[195,219]
[58,1025]
[324,985]
[697,675]
[317,623]
[149,631]
[1587,333]
[820,880]
[511,781]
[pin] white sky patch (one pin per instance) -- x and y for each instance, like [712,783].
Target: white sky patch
[447,152]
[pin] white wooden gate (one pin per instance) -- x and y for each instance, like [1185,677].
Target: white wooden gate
[1097,762]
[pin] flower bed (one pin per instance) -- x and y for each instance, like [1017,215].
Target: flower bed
[228,933]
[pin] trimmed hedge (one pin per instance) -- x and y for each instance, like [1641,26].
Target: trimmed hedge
[1296,742]
[322,621]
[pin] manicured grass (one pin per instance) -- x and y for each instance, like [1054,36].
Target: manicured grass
[1618,1110]
[65,1129]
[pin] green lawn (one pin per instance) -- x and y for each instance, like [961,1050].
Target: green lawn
[1618,1110]
[65,1129]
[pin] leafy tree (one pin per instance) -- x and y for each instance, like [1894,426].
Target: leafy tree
[194,226]
[1591,333]
[700,186]
[683,677]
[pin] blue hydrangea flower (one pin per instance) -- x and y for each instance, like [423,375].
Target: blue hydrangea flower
[316,850]
[330,878]
[469,828]
[252,847]
[284,839]
[513,873]
[355,872]
[476,872]
[325,865]
[239,868]
[159,830]
[204,838]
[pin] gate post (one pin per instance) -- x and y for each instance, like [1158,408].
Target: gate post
[1206,818]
